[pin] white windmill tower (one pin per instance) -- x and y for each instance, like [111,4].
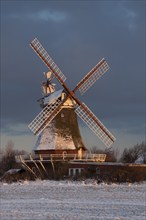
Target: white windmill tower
[52,124]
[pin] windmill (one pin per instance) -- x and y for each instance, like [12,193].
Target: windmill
[53,102]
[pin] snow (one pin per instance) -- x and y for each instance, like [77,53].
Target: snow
[140,160]
[50,139]
[46,140]
[12,171]
[66,200]
[53,97]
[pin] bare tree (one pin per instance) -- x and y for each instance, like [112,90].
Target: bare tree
[8,158]
[132,154]
[111,155]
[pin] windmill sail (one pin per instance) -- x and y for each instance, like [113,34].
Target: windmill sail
[45,116]
[42,53]
[95,124]
[92,76]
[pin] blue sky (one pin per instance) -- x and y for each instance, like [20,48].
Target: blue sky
[77,35]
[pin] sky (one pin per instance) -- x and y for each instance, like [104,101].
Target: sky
[77,35]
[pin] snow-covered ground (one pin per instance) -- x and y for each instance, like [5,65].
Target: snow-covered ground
[44,200]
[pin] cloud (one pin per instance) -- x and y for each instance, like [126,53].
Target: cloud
[43,15]
[123,16]
[21,142]
[130,17]
[15,129]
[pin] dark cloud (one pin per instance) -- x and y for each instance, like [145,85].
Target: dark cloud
[77,34]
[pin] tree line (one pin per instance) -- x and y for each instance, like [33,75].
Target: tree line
[137,153]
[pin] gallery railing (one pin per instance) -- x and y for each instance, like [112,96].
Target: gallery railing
[53,157]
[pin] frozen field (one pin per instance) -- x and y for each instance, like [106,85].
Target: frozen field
[44,200]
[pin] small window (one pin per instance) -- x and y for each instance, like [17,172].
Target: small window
[71,172]
[77,171]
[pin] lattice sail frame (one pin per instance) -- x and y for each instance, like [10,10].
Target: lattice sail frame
[98,128]
[38,48]
[45,116]
[101,68]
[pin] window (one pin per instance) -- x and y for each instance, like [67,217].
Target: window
[71,172]
[75,171]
